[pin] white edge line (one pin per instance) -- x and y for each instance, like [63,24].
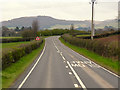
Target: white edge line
[77,77]
[99,65]
[31,69]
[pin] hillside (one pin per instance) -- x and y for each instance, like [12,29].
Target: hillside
[47,22]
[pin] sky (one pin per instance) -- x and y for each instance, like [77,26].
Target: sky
[60,9]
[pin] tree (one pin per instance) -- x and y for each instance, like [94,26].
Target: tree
[17,29]
[72,30]
[35,27]
[22,28]
[72,27]
[27,33]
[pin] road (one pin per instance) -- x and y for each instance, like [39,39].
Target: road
[60,67]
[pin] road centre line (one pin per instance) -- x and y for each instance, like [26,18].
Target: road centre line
[77,77]
[58,50]
[31,69]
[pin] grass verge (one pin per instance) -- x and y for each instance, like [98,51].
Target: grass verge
[103,61]
[10,74]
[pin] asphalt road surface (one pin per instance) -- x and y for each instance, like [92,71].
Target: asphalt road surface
[60,67]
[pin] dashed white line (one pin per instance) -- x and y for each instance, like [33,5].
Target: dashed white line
[66,66]
[62,56]
[31,69]
[76,85]
[70,73]
[77,77]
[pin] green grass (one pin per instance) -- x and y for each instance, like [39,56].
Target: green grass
[108,63]
[82,35]
[10,74]
[13,44]
[9,37]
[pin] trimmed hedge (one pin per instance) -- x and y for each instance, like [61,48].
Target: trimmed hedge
[93,45]
[15,40]
[13,55]
[101,35]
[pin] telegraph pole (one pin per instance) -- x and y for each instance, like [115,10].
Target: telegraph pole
[92,22]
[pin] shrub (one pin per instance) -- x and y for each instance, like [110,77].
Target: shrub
[15,40]
[13,55]
[103,49]
[102,35]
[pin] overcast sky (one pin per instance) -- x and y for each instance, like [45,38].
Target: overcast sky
[60,9]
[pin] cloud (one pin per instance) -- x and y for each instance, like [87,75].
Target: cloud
[61,9]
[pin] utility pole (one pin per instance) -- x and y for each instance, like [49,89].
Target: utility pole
[92,22]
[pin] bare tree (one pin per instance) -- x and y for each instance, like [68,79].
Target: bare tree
[72,27]
[35,27]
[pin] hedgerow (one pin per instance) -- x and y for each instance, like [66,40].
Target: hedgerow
[13,55]
[15,40]
[102,35]
[102,49]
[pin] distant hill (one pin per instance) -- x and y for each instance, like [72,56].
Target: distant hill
[47,22]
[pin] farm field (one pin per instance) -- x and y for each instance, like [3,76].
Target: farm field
[12,45]
[82,35]
[9,37]
[111,40]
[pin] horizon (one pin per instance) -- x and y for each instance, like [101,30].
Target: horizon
[66,10]
[55,18]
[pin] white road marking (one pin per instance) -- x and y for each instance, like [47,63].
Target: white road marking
[55,46]
[31,69]
[77,77]
[70,73]
[98,65]
[76,85]
[66,66]
[62,56]
[58,50]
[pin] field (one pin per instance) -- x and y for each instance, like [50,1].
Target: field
[12,45]
[82,35]
[9,37]
[111,40]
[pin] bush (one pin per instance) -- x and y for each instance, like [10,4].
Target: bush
[13,55]
[102,35]
[102,49]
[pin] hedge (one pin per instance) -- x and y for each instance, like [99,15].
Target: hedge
[93,45]
[102,35]
[13,55]
[15,40]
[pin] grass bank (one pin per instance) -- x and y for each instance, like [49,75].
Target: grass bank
[10,74]
[108,63]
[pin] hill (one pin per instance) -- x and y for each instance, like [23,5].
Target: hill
[47,22]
